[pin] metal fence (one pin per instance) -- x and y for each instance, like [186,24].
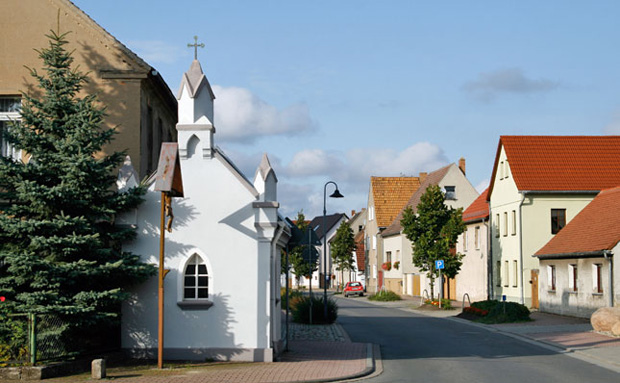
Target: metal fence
[32,338]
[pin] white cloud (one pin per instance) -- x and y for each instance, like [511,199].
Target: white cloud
[351,171]
[613,128]
[483,185]
[490,84]
[314,162]
[154,52]
[243,117]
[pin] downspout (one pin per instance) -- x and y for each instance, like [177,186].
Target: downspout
[275,280]
[608,255]
[521,245]
[489,261]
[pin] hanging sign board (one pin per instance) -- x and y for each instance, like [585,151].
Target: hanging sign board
[168,178]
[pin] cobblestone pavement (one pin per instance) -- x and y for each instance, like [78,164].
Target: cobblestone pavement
[324,333]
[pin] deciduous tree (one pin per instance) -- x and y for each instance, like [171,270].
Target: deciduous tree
[433,231]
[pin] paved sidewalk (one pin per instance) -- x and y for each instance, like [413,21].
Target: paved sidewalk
[320,353]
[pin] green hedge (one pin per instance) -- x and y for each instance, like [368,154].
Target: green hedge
[384,296]
[301,310]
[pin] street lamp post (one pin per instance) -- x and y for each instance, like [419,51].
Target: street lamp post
[335,194]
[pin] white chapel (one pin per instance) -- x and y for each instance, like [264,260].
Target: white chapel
[222,291]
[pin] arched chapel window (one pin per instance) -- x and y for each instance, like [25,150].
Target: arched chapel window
[196,279]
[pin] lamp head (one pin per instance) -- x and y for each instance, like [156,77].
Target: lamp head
[336,194]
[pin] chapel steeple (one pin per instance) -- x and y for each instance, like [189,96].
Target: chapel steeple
[195,127]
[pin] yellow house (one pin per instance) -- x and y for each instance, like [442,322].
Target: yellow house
[139,103]
[538,184]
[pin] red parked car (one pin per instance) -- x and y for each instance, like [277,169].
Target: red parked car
[353,288]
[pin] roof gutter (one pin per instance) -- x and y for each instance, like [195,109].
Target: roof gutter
[575,255]
[524,192]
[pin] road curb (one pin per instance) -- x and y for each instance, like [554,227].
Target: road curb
[370,368]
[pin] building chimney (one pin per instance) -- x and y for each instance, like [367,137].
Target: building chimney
[462,165]
[423,176]
[352,213]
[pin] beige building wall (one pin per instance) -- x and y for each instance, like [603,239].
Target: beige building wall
[473,277]
[465,195]
[564,300]
[127,86]
[372,233]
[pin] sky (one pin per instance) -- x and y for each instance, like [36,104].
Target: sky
[342,90]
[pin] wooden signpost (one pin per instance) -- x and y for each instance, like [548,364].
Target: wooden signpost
[168,180]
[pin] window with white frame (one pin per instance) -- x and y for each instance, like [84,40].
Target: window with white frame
[515,273]
[450,192]
[374,242]
[477,237]
[497,227]
[551,278]
[505,272]
[196,279]
[597,278]
[501,170]
[514,222]
[498,273]
[505,224]
[465,240]
[10,107]
[388,256]
[506,169]
[572,277]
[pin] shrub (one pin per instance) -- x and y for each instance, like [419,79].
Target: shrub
[507,312]
[385,296]
[446,304]
[293,296]
[301,311]
[476,311]
[487,305]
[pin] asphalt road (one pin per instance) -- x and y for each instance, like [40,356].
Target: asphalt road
[417,348]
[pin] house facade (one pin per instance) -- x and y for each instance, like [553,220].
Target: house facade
[222,291]
[386,197]
[139,104]
[577,270]
[325,232]
[406,278]
[357,222]
[473,278]
[538,184]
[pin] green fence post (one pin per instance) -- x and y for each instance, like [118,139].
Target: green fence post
[33,338]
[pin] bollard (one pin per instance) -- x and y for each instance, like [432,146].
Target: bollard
[97,370]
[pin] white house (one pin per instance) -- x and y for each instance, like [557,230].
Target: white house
[577,270]
[222,291]
[473,277]
[407,278]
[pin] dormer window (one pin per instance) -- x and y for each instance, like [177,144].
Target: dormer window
[450,192]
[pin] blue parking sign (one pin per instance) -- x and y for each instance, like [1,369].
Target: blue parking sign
[439,265]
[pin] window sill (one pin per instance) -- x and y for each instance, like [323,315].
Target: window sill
[202,304]
[551,291]
[597,294]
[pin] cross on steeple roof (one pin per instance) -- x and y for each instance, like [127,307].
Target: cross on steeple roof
[195,45]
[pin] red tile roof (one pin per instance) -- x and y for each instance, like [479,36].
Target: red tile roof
[479,209]
[390,194]
[554,163]
[432,178]
[595,228]
[360,251]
